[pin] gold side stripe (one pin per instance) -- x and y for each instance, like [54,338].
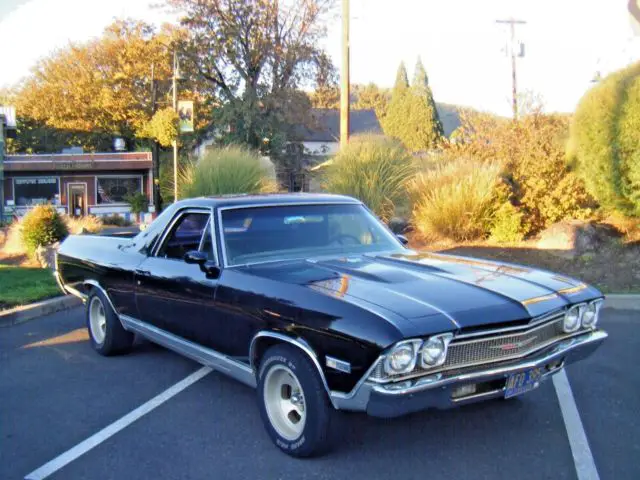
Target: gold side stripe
[543,298]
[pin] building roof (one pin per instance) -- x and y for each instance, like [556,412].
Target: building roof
[325,125]
[449,117]
[84,161]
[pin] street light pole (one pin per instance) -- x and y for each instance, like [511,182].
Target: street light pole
[344,77]
[175,141]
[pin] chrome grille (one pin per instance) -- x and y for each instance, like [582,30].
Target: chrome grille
[503,347]
[489,349]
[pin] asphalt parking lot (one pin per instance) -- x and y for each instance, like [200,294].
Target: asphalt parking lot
[55,393]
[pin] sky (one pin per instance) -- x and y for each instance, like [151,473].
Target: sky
[462,47]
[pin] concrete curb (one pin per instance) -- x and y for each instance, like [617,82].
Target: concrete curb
[25,313]
[621,301]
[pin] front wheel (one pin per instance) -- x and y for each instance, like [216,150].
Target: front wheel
[293,403]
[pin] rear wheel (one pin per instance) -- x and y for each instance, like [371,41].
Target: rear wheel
[106,333]
[294,406]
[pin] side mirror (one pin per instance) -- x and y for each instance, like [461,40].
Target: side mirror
[404,240]
[194,257]
[210,269]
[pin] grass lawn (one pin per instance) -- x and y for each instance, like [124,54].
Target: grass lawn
[20,285]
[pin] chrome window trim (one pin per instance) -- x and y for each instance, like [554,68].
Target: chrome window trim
[223,249]
[301,344]
[177,216]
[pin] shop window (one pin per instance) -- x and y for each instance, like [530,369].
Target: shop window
[117,189]
[35,190]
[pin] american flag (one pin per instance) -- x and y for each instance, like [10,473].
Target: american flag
[104,198]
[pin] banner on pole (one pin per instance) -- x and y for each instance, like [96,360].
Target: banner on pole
[185,113]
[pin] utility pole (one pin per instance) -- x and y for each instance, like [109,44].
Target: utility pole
[344,77]
[155,146]
[175,141]
[514,86]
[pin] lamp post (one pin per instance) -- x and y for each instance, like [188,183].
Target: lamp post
[175,141]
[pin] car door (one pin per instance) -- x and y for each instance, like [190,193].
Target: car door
[172,294]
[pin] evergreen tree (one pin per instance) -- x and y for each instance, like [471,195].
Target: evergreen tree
[402,79]
[425,120]
[395,122]
[412,116]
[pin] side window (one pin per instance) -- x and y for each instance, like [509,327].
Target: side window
[207,243]
[186,234]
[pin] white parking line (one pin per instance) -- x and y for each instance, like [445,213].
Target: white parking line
[96,439]
[582,458]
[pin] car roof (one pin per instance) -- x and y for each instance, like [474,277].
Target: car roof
[240,200]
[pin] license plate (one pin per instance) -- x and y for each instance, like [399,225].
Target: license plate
[522,382]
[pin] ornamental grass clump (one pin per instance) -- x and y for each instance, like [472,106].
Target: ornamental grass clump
[226,170]
[42,226]
[453,199]
[374,169]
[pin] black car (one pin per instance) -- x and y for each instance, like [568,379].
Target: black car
[314,301]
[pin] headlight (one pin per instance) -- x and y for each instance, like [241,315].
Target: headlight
[434,350]
[402,358]
[572,319]
[591,313]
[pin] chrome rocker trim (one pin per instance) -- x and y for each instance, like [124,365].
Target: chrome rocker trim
[205,356]
[434,391]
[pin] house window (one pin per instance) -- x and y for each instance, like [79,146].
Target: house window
[35,190]
[117,189]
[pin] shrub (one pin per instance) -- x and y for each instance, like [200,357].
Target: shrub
[226,170]
[605,144]
[115,220]
[507,224]
[374,169]
[531,153]
[87,224]
[453,199]
[138,202]
[42,226]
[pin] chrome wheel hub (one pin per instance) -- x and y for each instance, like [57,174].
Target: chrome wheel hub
[97,320]
[284,402]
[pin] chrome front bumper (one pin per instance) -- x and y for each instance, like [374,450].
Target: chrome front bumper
[437,390]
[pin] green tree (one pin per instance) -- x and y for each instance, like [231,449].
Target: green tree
[412,116]
[425,118]
[395,121]
[255,55]
[604,142]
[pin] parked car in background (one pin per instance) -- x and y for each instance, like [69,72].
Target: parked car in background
[317,304]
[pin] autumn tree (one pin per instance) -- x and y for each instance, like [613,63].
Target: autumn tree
[372,97]
[102,86]
[327,91]
[255,54]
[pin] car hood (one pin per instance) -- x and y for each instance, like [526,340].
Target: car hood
[423,287]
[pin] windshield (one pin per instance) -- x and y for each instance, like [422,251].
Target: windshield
[262,234]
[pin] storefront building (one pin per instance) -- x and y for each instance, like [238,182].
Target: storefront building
[77,184]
